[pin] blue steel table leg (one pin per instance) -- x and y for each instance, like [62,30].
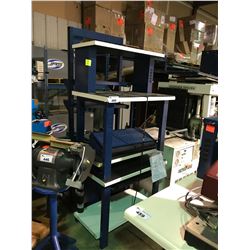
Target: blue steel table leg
[162,127]
[107,157]
[80,119]
[119,79]
[142,83]
[161,138]
[53,222]
[106,70]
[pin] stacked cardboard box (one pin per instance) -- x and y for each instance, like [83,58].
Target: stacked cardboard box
[169,35]
[211,37]
[104,17]
[190,38]
[145,24]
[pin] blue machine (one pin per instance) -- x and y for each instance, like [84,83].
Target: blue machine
[209,146]
[39,123]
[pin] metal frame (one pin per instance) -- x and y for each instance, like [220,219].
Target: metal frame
[85,81]
[107,158]
[76,35]
[55,238]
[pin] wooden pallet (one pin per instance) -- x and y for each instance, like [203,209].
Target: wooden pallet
[39,232]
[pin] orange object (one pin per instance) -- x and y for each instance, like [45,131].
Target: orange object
[120,21]
[210,128]
[172,26]
[47,123]
[150,31]
[87,21]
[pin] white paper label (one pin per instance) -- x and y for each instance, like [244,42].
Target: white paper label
[172,19]
[192,22]
[144,215]
[154,19]
[158,168]
[150,10]
[46,158]
[162,19]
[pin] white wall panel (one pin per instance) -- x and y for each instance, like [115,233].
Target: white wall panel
[51,32]
[39,27]
[62,39]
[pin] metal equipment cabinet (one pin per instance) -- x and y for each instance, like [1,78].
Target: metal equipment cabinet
[85,89]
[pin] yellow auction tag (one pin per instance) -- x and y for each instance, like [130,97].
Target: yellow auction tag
[88,62]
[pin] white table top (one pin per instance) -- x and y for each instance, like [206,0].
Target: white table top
[165,217]
[116,46]
[120,97]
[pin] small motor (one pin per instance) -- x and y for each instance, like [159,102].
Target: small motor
[51,167]
[58,165]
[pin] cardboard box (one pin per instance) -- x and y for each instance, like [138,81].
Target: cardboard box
[190,29]
[145,36]
[117,24]
[143,13]
[193,23]
[180,31]
[183,47]
[193,35]
[169,34]
[196,53]
[211,34]
[103,20]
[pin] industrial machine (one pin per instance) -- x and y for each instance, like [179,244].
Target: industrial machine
[209,146]
[194,101]
[56,166]
[202,231]
[57,63]
[40,123]
[182,158]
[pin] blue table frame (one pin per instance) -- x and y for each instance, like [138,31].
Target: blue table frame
[85,81]
[107,157]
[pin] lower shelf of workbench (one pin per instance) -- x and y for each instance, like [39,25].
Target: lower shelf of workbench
[91,217]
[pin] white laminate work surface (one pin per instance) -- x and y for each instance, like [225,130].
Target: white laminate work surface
[120,97]
[165,217]
[118,47]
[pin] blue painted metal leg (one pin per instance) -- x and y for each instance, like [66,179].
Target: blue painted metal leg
[80,119]
[105,217]
[107,157]
[55,243]
[53,222]
[117,88]
[161,138]
[107,145]
[56,240]
[155,187]
[106,70]
[162,127]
